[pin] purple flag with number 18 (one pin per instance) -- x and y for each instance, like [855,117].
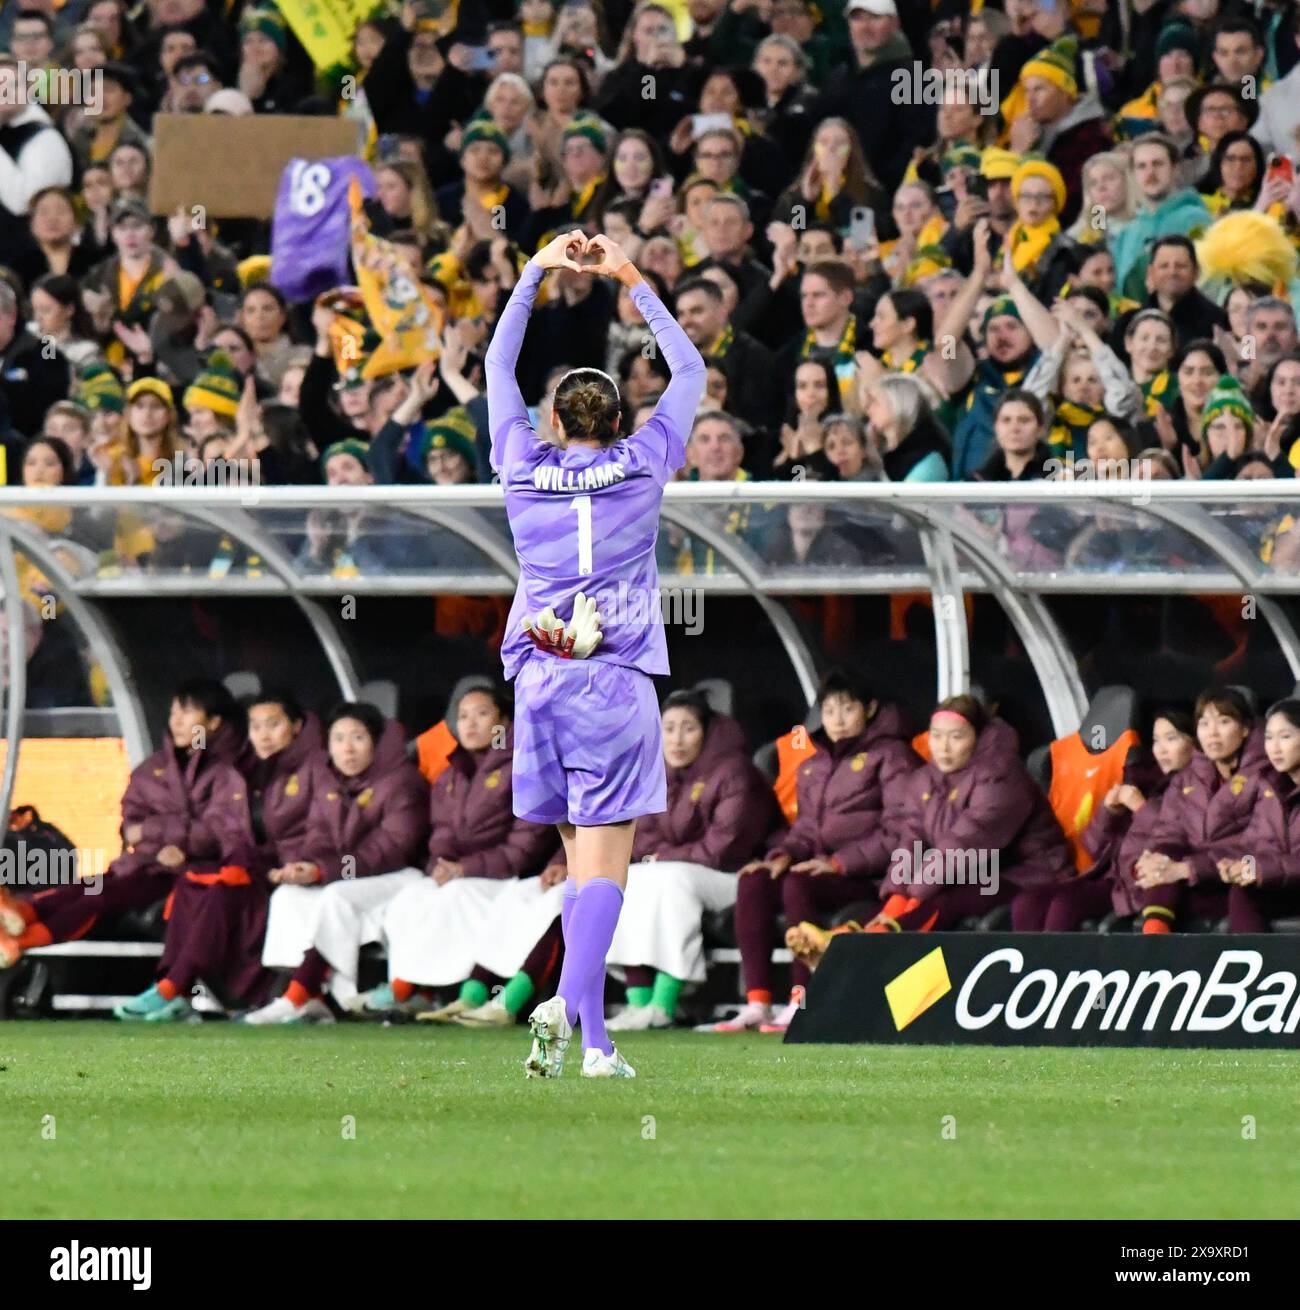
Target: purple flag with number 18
[311,228]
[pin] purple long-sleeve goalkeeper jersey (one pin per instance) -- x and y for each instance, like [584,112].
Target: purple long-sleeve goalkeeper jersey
[587,519]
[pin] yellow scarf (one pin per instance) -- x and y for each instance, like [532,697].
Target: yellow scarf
[908,365]
[1029,244]
[491,199]
[827,198]
[723,344]
[583,198]
[930,235]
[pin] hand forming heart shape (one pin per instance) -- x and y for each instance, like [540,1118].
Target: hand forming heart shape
[580,253]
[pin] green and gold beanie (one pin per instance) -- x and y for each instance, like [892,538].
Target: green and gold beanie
[962,155]
[454,431]
[1002,307]
[484,129]
[585,125]
[266,20]
[99,387]
[1056,63]
[1227,398]
[218,386]
[348,446]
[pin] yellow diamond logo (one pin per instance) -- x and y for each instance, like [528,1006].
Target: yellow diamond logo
[917,988]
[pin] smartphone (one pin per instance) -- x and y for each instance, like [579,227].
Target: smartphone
[480,58]
[701,123]
[661,188]
[862,227]
[1280,166]
[977,185]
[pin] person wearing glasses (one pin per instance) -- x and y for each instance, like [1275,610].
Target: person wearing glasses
[194,80]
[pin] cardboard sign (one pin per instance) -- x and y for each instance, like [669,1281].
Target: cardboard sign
[232,166]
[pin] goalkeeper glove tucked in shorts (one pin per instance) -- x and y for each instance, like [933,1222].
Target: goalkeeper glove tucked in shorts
[572,641]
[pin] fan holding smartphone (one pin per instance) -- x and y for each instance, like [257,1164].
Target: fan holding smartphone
[835,182]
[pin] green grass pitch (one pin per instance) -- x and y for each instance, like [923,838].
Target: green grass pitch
[220,1121]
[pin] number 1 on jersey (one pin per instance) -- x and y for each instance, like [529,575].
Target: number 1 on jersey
[583,505]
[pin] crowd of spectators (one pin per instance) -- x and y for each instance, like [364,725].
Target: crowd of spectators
[924,243]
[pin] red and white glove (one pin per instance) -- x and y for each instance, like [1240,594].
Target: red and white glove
[574,640]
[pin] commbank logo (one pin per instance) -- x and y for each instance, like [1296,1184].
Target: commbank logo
[917,988]
[1123,1000]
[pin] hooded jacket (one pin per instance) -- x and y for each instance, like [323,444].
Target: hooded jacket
[991,804]
[473,819]
[720,808]
[1202,813]
[373,823]
[193,800]
[843,792]
[1106,833]
[279,793]
[1271,836]
[1178,214]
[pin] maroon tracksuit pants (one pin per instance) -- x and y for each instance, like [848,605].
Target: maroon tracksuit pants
[1252,909]
[801,897]
[215,933]
[70,912]
[1062,908]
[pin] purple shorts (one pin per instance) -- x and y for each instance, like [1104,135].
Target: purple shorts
[588,748]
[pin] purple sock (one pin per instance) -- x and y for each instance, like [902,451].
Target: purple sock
[591,1014]
[566,906]
[582,980]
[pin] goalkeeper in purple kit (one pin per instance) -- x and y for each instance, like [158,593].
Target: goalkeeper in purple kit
[583,502]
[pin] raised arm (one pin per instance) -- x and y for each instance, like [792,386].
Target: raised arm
[506,408]
[675,412]
[1046,331]
[953,364]
[1122,396]
[507,414]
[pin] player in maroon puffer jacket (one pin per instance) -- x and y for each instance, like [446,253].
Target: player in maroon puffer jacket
[181,810]
[972,830]
[1263,868]
[1205,808]
[838,846]
[216,920]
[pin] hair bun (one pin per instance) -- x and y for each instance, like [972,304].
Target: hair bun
[587,404]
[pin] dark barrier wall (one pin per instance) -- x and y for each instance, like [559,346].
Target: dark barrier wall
[1055,990]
